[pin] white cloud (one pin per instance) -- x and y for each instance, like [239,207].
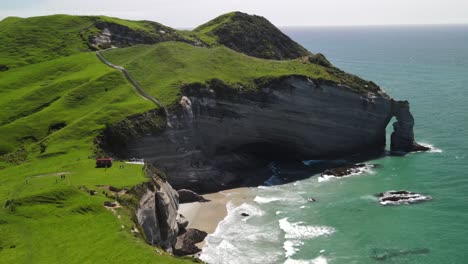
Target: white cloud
[190,13]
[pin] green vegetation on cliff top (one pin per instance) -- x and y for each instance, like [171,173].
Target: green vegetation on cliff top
[56,97]
[162,69]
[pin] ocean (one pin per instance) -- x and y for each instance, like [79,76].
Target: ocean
[426,65]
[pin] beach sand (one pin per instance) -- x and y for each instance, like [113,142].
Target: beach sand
[206,216]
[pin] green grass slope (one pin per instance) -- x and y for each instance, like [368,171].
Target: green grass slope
[50,220]
[32,40]
[162,69]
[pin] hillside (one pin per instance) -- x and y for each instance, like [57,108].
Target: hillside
[164,68]
[57,98]
[37,39]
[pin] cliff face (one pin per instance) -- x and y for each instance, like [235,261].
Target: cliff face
[222,137]
[402,138]
[116,35]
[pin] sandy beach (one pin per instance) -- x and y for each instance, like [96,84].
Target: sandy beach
[206,216]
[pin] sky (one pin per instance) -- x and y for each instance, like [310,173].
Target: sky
[191,13]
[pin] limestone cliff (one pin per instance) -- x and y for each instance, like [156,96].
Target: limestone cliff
[224,137]
[402,138]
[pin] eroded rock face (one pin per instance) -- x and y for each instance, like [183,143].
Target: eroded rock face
[115,35]
[222,137]
[188,196]
[223,132]
[157,212]
[402,138]
[186,242]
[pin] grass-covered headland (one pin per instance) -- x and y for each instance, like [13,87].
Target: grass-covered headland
[56,97]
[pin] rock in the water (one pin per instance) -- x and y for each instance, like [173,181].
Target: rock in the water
[402,139]
[188,196]
[311,200]
[385,254]
[347,170]
[186,242]
[245,214]
[401,197]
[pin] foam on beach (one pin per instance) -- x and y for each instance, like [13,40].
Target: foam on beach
[236,239]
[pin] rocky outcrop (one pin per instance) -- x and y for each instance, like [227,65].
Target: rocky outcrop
[188,196]
[224,136]
[186,243]
[117,35]
[157,211]
[402,138]
[348,170]
[401,197]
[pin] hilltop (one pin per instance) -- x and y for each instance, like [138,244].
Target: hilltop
[252,35]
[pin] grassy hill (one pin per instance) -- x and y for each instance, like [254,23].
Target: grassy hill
[51,220]
[56,97]
[162,69]
[32,40]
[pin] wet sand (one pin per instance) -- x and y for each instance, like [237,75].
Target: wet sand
[206,216]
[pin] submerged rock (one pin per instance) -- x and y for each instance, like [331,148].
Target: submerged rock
[186,242]
[384,254]
[401,197]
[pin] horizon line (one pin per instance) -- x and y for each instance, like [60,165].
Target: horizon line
[279,26]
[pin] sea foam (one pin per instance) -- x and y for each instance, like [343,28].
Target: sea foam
[296,233]
[318,260]
[432,149]
[236,239]
[300,231]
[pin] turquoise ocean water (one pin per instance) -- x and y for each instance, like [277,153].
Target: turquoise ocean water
[427,66]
